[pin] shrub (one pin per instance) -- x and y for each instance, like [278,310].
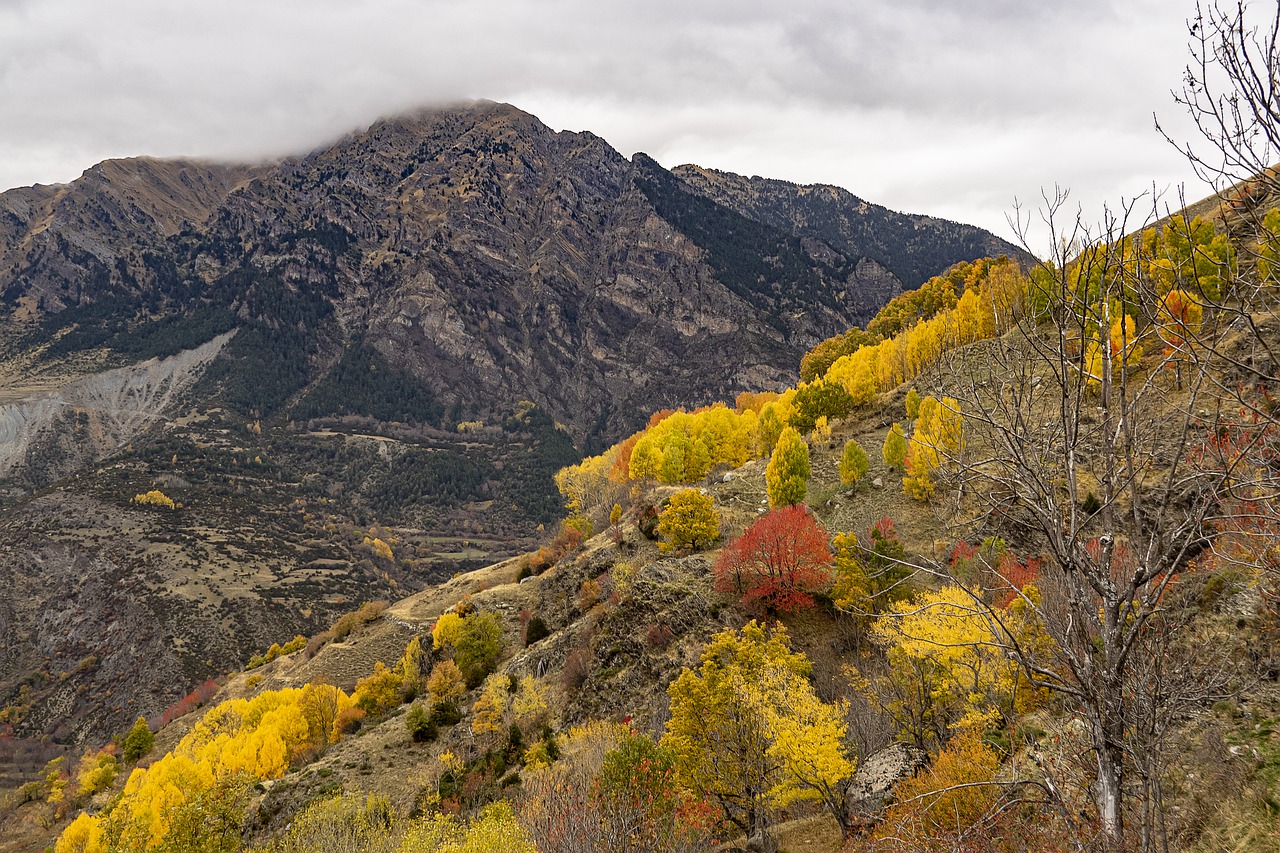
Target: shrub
[659,635]
[534,630]
[347,721]
[779,562]
[913,404]
[351,621]
[420,725]
[577,666]
[895,447]
[318,642]
[690,519]
[445,713]
[155,498]
[380,692]
[476,640]
[588,595]
[446,681]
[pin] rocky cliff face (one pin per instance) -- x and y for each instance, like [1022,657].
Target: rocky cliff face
[482,253]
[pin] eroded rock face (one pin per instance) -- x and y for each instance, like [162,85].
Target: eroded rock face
[49,435]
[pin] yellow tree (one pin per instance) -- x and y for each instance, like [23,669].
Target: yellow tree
[852,590]
[787,475]
[446,682]
[948,669]
[895,447]
[689,519]
[748,732]
[937,437]
[853,462]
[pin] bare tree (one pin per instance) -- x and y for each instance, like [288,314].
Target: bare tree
[1082,451]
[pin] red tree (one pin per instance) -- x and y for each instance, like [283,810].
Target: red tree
[778,562]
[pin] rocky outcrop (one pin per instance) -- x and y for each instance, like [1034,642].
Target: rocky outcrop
[877,775]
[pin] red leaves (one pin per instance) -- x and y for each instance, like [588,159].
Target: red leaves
[778,562]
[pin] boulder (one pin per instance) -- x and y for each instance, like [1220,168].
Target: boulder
[872,786]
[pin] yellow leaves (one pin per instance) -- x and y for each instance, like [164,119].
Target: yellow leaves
[895,447]
[446,682]
[787,474]
[746,724]
[950,796]
[257,737]
[486,714]
[379,548]
[155,498]
[1125,349]
[84,835]
[584,486]
[948,669]
[410,664]
[449,628]
[495,830]
[852,591]
[378,692]
[684,446]
[689,520]
[96,772]
[938,436]
[853,462]
[530,699]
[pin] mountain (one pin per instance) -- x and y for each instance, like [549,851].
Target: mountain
[913,248]
[397,338]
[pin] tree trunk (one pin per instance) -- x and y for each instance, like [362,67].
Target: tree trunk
[1110,781]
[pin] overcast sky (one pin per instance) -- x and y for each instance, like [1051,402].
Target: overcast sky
[947,107]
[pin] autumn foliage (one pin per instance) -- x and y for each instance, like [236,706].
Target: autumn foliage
[779,562]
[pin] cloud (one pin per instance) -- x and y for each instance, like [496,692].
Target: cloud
[927,105]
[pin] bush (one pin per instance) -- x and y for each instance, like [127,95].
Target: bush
[779,562]
[348,720]
[446,681]
[477,650]
[445,713]
[351,621]
[588,595]
[853,463]
[318,642]
[577,666]
[534,630]
[420,725]
[380,692]
[895,447]
[659,635]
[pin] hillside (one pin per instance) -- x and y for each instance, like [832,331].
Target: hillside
[969,587]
